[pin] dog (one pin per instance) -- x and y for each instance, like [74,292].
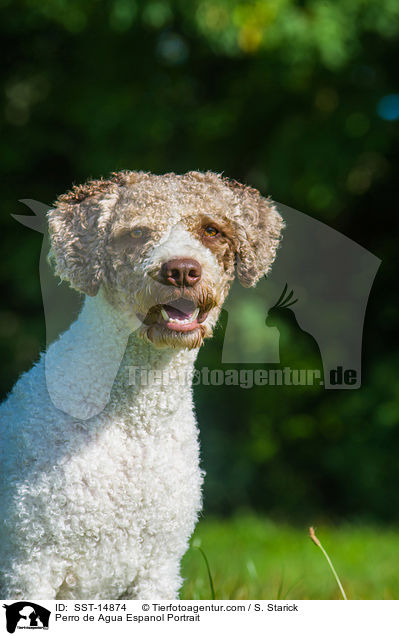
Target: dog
[100,473]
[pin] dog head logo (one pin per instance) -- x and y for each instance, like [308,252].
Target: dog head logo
[328,276]
[26,615]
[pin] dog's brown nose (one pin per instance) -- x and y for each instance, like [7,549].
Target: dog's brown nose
[181,272]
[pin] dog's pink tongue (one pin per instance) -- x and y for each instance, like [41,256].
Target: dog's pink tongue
[177,314]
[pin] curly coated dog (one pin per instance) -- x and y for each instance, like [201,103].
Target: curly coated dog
[100,478]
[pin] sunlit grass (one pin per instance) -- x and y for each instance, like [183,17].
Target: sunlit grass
[253,558]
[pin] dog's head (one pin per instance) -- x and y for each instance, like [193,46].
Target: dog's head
[164,248]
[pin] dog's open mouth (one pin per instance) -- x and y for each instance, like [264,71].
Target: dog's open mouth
[181,314]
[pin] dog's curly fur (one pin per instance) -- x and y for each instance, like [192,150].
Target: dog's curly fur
[100,478]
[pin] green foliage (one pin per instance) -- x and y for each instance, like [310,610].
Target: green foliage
[282,94]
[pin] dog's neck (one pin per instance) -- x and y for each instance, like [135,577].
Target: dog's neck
[99,363]
[152,382]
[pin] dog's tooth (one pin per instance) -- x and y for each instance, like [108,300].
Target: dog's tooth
[165,314]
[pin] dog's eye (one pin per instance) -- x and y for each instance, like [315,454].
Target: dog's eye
[210,231]
[137,232]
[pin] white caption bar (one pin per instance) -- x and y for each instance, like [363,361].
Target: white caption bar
[208,617]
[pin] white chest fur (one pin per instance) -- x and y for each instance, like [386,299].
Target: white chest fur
[113,493]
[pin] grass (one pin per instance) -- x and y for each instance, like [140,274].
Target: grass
[317,542]
[254,558]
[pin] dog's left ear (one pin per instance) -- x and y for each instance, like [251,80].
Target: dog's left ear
[259,229]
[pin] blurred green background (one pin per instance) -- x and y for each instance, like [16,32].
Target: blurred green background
[297,98]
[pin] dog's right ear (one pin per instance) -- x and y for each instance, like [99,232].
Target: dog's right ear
[78,226]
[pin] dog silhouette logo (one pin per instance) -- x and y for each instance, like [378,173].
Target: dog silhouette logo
[331,274]
[26,615]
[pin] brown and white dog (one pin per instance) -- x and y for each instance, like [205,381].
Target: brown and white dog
[101,485]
